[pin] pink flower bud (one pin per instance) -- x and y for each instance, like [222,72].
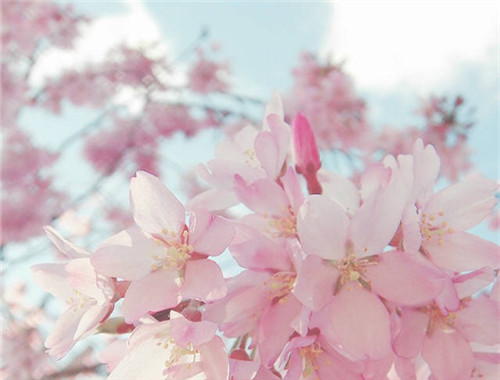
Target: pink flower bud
[305,151]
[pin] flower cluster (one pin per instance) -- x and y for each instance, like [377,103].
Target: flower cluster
[337,280]
[121,85]
[327,95]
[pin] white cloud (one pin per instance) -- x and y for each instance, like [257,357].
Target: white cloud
[417,44]
[136,27]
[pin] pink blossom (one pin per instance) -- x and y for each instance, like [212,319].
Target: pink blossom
[23,352]
[356,270]
[208,76]
[311,357]
[87,294]
[325,94]
[442,222]
[251,154]
[167,119]
[162,256]
[174,349]
[106,148]
[262,305]
[275,206]
[444,336]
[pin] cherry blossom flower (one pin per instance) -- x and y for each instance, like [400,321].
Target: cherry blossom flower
[162,257]
[250,154]
[174,349]
[345,257]
[87,294]
[311,357]
[443,336]
[438,223]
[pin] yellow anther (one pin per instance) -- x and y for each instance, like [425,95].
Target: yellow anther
[309,355]
[280,284]
[354,276]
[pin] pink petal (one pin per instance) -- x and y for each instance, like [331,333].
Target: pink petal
[487,365]
[128,255]
[221,173]
[294,344]
[237,147]
[209,234]
[254,250]
[373,178]
[281,133]
[408,342]
[265,197]
[65,246]
[292,189]
[405,369]
[62,335]
[341,190]
[274,329]
[83,278]
[426,166]
[245,301]
[267,153]
[472,282]
[461,251]
[377,220]
[242,369]
[294,367]
[402,278]
[410,225]
[146,360]
[112,353]
[214,200]
[157,291]
[274,106]
[322,228]
[359,321]
[464,204]
[91,319]
[185,332]
[265,374]
[377,369]
[448,298]
[478,321]
[203,280]
[53,278]
[214,359]
[155,208]
[448,355]
[301,321]
[315,283]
